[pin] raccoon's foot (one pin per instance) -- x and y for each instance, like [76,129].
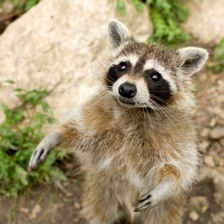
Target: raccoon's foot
[43,149]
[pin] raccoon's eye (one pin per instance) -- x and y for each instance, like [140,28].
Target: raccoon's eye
[123,66]
[156,76]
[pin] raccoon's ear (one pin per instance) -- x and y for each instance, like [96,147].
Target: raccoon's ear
[192,59]
[118,33]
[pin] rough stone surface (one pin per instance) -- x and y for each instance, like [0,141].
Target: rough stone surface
[194,216]
[56,45]
[209,161]
[217,133]
[206,20]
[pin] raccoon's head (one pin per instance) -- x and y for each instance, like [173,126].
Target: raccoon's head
[149,76]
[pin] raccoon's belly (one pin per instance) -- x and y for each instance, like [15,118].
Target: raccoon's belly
[117,169]
[116,181]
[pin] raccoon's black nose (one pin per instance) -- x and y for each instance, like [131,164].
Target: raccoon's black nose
[127,90]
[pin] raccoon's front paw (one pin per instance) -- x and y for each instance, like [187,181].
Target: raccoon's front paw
[145,201]
[38,157]
[43,149]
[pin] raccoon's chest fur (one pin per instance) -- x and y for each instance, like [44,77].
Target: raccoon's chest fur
[125,156]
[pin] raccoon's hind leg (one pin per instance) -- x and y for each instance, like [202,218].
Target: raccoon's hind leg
[100,205]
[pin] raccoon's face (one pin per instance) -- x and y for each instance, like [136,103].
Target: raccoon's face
[148,76]
[136,79]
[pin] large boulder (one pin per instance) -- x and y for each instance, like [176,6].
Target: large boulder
[206,21]
[56,45]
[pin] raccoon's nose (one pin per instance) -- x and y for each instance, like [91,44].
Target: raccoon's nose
[127,90]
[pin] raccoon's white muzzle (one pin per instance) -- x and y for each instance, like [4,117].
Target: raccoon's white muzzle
[131,92]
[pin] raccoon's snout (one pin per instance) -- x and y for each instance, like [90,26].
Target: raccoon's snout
[127,90]
[131,93]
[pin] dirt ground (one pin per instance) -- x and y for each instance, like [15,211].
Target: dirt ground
[61,203]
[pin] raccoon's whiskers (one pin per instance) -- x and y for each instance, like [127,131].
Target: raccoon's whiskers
[163,112]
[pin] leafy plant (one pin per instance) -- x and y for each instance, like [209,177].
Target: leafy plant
[217,64]
[138,4]
[121,8]
[167,16]
[24,5]
[30,3]
[19,135]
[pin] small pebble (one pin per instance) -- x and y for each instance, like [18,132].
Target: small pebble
[209,161]
[194,216]
[212,123]
[204,133]
[217,133]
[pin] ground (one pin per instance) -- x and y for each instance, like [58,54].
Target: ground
[60,203]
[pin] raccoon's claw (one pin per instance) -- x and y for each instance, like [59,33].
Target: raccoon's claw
[37,157]
[144,202]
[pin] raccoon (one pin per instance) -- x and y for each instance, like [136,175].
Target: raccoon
[136,138]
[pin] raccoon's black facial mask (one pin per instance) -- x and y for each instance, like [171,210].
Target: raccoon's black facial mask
[116,71]
[159,88]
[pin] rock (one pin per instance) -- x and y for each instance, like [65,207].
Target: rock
[206,20]
[61,46]
[203,146]
[204,133]
[77,205]
[209,161]
[217,133]
[213,122]
[36,210]
[24,210]
[194,216]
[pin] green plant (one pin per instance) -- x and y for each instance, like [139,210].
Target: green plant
[24,5]
[217,64]
[138,4]
[167,16]
[19,135]
[30,3]
[121,8]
